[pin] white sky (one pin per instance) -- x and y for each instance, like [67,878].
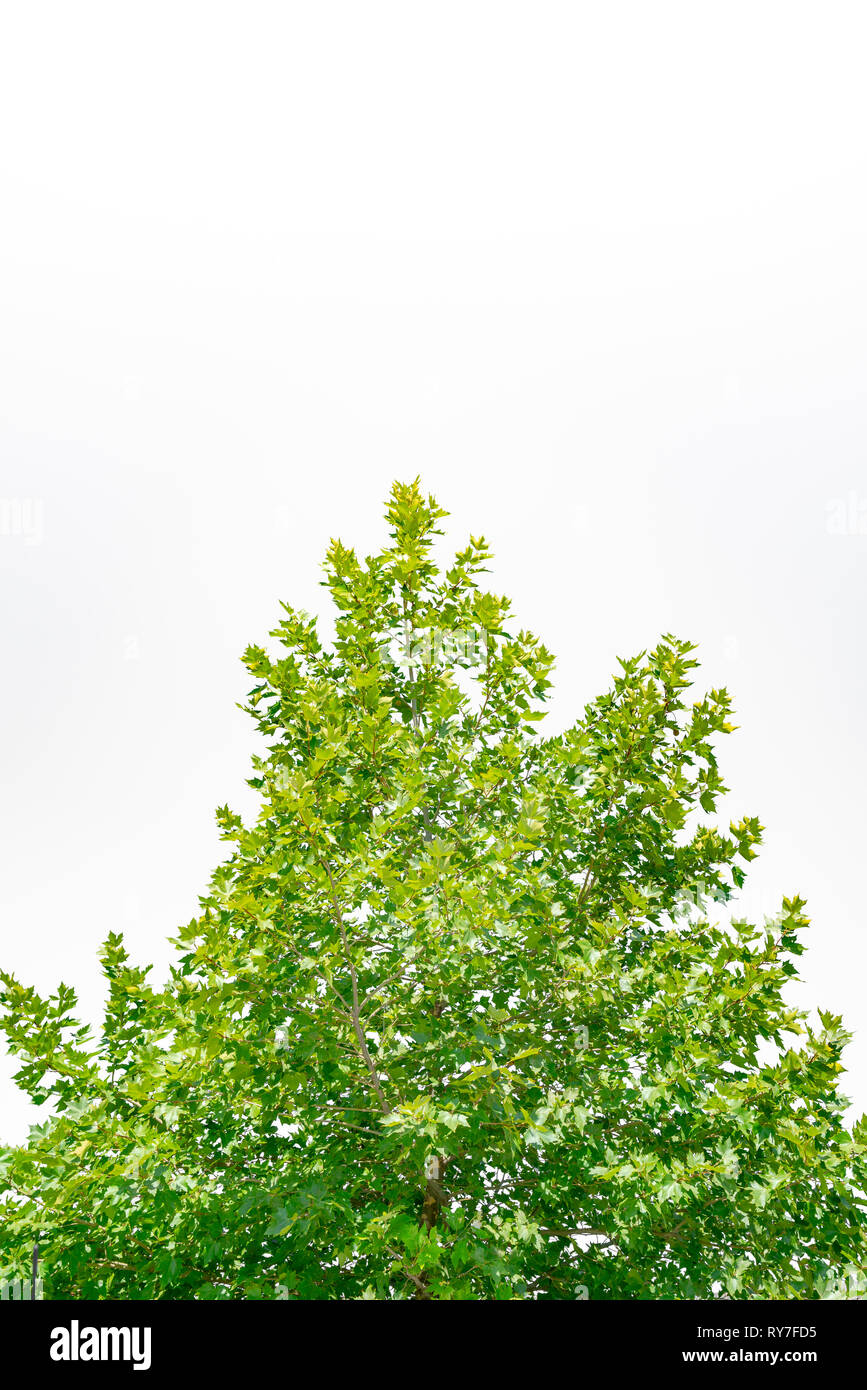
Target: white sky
[597,272]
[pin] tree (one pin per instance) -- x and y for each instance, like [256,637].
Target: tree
[465,1013]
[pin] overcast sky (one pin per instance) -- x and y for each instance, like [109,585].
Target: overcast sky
[596,272]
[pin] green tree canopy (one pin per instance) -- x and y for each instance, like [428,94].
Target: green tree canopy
[465,1013]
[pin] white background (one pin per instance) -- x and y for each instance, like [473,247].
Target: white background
[596,271]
